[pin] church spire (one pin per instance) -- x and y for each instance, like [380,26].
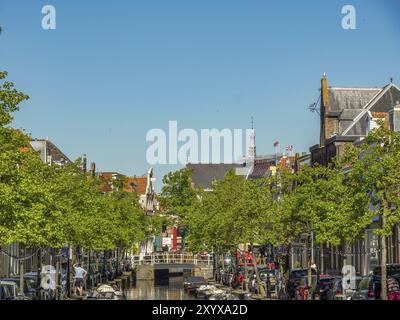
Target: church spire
[252,142]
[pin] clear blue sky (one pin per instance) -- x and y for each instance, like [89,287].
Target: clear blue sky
[112,70]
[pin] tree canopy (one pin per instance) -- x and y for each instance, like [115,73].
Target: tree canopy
[54,206]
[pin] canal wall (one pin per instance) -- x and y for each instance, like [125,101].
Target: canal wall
[144,272]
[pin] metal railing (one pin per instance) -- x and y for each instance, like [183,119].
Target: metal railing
[172,258]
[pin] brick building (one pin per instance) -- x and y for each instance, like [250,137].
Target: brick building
[347,115]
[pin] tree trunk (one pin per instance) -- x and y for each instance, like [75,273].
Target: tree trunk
[57,277]
[384,293]
[310,262]
[39,268]
[245,288]
[262,289]
[21,270]
[236,268]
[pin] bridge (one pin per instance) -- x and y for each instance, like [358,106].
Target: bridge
[172,259]
[146,266]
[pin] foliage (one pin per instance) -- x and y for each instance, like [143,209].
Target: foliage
[53,206]
[177,195]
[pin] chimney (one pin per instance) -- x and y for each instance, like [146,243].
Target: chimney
[324,91]
[84,164]
[92,169]
[324,106]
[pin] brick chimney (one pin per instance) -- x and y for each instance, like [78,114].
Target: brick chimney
[323,108]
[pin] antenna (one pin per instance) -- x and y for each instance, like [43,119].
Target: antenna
[252,122]
[313,107]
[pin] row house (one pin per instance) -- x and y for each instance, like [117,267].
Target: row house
[143,186]
[347,114]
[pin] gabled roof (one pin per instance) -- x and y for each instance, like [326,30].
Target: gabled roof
[46,147]
[363,114]
[350,98]
[203,174]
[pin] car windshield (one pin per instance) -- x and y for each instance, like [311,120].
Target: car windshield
[5,291]
[265,273]
[326,282]
[9,288]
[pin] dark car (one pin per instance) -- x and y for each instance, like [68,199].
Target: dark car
[267,280]
[9,290]
[296,280]
[322,288]
[29,291]
[193,283]
[369,288]
[326,288]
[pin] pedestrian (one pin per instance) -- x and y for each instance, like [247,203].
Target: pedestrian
[80,276]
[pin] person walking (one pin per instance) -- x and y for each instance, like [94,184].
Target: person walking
[80,276]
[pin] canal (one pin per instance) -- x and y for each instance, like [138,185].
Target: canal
[171,289]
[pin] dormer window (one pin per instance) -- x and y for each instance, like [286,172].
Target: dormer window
[373,118]
[395,118]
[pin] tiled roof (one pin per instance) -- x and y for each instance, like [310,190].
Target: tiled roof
[137,184]
[261,168]
[132,184]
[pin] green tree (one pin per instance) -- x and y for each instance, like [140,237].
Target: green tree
[24,195]
[375,167]
[177,194]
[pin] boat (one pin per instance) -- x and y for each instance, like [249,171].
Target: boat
[105,292]
[206,291]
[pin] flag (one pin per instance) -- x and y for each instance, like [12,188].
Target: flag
[289,147]
[276,144]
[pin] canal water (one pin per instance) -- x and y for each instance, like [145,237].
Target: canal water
[149,290]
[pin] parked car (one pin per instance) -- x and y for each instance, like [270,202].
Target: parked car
[296,280]
[9,290]
[29,286]
[266,275]
[6,292]
[369,288]
[326,288]
[321,289]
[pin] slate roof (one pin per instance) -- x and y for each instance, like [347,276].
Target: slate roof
[203,174]
[384,101]
[350,106]
[350,98]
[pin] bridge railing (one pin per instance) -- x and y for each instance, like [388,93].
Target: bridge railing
[172,258]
